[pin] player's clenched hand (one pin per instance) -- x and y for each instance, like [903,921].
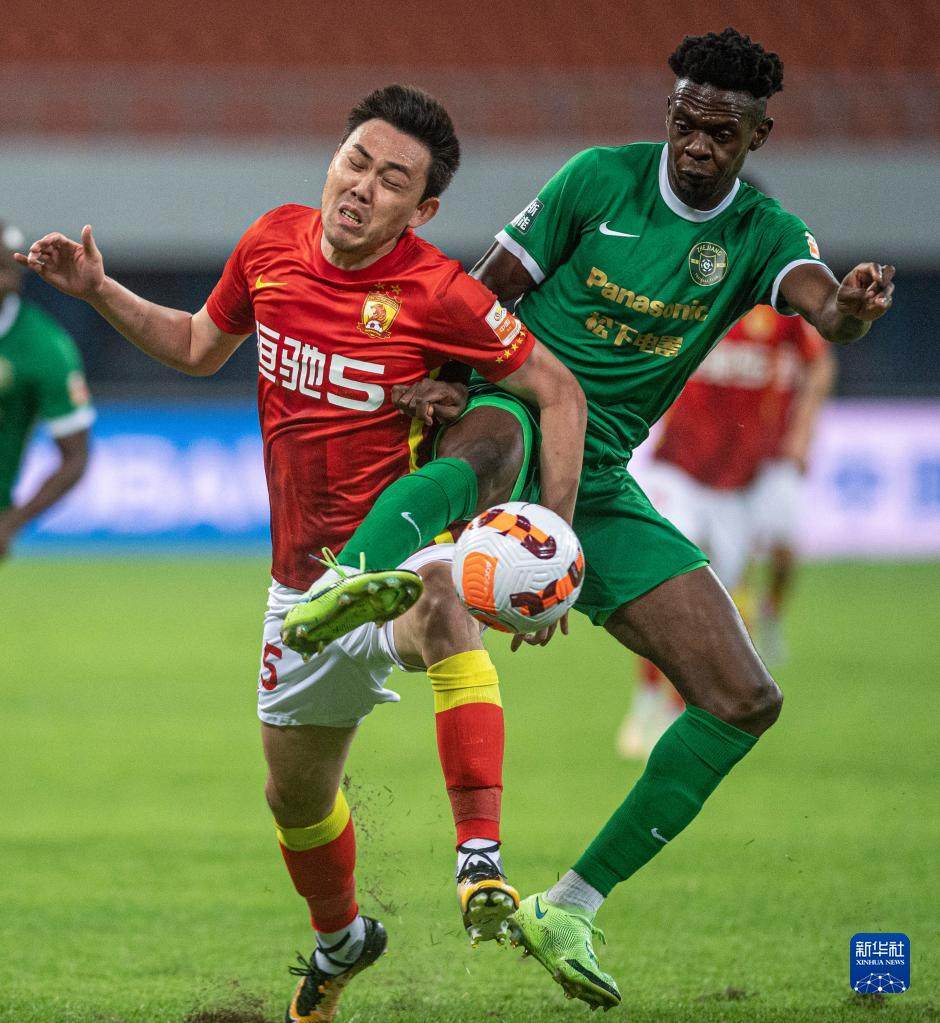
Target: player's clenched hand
[866,292]
[541,637]
[431,401]
[73,267]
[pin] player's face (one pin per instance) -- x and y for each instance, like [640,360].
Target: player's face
[710,132]
[373,192]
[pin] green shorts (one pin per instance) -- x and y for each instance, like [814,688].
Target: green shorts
[629,548]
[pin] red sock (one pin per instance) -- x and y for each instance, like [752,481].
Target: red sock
[470,745]
[323,873]
[470,736]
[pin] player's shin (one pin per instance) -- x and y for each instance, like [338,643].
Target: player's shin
[412,511]
[321,861]
[469,721]
[684,768]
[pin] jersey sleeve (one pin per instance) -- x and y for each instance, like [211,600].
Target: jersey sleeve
[544,234]
[787,243]
[473,328]
[229,306]
[64,401]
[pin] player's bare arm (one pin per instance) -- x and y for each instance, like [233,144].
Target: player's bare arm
[543,381]
[503,273]
[815,388]
[845,311]
[73,460]
[190,343]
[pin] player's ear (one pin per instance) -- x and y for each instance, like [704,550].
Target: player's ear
[760,133]
[424,211]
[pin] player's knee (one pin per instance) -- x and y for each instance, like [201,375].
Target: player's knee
[439,605]
[296,804]
[755,707]
[495,460]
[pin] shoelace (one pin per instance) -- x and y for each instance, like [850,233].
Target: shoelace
[310,994]
[478,861]
[329,561]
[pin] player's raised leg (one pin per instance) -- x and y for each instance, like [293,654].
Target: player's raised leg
[439,633]
[689,627]
[478,465]
[315,832]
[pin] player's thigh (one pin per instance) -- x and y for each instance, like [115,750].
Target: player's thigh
[334,689]
[689,627]
[498,437]
[438,626]
[629,548]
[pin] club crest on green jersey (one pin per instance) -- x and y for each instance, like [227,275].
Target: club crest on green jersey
[6,374]
[708,263]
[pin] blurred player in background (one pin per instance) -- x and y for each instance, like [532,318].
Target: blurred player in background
[41,378]
[727,469]
[348,302]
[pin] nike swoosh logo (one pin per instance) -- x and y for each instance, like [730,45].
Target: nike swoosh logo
[659,838]
[539,912]
[604,229]
[407,517]
[259,283]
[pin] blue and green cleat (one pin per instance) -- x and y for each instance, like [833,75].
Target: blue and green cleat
[560,938]
[345,598]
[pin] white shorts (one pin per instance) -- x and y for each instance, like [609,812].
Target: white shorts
[731,526]
[339,687]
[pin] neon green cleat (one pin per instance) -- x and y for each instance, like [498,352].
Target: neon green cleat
[560,938]
[345,598]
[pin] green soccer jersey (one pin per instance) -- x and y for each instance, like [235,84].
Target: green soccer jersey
[634,288]
[40,378]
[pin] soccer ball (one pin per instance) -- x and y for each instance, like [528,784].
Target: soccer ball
[518,567]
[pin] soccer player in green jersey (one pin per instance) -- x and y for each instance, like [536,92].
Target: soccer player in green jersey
[630,265]
[40,378]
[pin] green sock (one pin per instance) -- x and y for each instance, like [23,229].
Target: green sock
[683,770]
[411,512]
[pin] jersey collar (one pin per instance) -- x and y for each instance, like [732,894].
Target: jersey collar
[679,207]
[9,310]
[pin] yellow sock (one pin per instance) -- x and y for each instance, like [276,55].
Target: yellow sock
[469,677]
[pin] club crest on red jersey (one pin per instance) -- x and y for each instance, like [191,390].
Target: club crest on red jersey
[379,310]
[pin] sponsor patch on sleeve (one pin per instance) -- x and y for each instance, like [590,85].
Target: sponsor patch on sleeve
[523,221]
[503,324]
[813,246]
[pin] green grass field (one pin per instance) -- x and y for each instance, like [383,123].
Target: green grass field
[141,883]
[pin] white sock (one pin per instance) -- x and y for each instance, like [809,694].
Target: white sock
[478,851]
[338,950]
[573,890]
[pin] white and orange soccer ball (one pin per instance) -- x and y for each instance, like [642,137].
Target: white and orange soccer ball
[518,567]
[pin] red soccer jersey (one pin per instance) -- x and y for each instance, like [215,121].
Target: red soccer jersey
[331,343]
[733,412]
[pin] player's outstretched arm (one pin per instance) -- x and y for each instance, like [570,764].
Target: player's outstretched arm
[543,381]
[840,312]
[187,342]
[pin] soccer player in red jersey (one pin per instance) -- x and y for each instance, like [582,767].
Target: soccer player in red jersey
[348,303]
[727,470]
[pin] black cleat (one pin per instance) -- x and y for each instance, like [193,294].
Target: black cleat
[317,996]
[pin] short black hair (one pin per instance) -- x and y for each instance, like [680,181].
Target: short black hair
[419,115]
[729,61]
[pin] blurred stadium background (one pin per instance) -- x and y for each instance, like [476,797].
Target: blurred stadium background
[171,126]
[139,871]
